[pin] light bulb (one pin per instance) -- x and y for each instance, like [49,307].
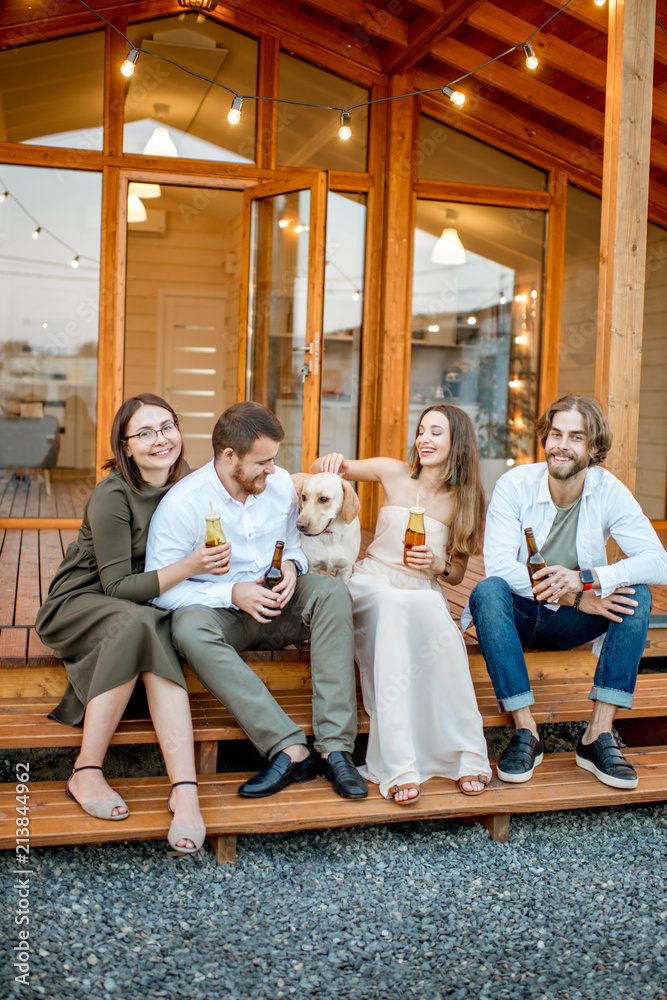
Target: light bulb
[518,298]
[455,96]
[127,68]
[521,339]
[344,131]
[284,223]
[599,3]
[532,61]
[4,196]
[299,228]
[533,294]
[433,328]
[514,383]
[36,233]
[75,262]
[471,321]
[356,296]
[510,462]
[503,299]
[234,113]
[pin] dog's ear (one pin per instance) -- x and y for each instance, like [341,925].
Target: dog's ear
[299,479]
[351,504]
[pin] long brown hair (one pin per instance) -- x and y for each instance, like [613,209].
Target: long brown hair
[461,473]
[124,462]
[598,432]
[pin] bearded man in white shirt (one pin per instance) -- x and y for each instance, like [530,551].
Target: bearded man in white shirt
[218,615]
[573,507]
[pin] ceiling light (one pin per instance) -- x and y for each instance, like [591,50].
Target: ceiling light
[344,131]
[433,328]
[127,68]
[198,4]
[234,113]
[144,190]
[136,210]
[471,321]
[160,143]
[449,249]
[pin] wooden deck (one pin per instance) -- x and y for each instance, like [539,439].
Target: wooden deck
[28,497]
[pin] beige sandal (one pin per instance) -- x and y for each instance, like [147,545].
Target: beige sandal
[178,832]
[400,788]
[472,777]
[100,810]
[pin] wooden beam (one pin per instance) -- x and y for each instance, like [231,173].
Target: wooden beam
[553,291]
[111,344]
[553,51]
[483,194]
[424,29]
[519,84]
[624,225]
[267,111]
[114,91]
[597,17]
[370,22]
[396,319]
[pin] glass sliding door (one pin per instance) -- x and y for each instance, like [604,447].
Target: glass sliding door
[476,306]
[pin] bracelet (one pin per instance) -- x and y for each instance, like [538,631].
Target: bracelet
[577,600]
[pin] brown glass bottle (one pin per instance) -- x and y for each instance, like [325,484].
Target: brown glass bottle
[415,533]
[535,560]
[274,573]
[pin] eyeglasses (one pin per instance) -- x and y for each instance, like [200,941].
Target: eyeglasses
[148,436]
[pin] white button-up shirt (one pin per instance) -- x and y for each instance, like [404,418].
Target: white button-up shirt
[521,499]
[178,527]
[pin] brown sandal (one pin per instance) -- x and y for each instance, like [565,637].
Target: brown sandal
[400,788]
[472,777]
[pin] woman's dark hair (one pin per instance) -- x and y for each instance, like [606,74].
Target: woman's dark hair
[124,462]
[461,474]
[241,424]
[598,431]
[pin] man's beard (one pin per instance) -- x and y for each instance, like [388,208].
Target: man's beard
[252,485]
[564,472]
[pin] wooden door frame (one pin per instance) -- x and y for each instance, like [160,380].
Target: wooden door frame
[318,184]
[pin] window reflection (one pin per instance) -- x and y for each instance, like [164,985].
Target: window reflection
[343,311]
[48,340]
[191,113]
[53,92]
[476,325]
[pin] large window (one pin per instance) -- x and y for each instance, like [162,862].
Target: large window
[169,112]
[443,154]
[53,92]
[308,137]
[476,308]
[49,303]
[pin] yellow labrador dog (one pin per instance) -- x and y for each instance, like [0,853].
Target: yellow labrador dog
[329,523]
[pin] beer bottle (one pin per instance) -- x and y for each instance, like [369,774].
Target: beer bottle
[274,573]
[535,560]
[415,533]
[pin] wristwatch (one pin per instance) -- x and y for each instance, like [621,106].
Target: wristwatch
[587,577]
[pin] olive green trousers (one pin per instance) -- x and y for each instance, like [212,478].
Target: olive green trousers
[210,640]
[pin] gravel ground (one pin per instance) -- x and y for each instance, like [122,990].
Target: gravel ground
[573,907]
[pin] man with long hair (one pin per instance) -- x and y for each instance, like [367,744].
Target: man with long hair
[573,506]
[216,617]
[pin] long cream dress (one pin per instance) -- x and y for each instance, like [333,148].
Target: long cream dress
[415,678]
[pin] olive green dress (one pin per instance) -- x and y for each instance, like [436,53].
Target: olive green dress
[95,616]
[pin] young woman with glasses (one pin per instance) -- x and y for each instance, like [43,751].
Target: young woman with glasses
[98,618]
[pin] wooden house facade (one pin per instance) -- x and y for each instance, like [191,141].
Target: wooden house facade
[492,254]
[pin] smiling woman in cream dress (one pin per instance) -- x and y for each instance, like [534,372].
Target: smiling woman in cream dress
[424,720]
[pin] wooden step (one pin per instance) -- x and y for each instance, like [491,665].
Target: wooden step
[557,784]
[23,722]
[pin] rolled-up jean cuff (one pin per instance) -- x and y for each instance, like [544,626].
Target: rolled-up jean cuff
[611,696]
[516,701]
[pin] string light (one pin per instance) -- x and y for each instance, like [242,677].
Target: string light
[127,68]
[75,262]
[36,233]
[344,131]
[4,196]
[234,113]
[284,223]
[599,3]
[503,299]
[531,59]
[455,96]
[356,296]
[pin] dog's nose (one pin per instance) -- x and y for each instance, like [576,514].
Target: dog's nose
[302,524]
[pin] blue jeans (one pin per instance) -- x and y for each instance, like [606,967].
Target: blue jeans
[505,622]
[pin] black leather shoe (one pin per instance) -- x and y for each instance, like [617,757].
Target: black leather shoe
[603,759]
[280,771]
[520,757]
[343,775]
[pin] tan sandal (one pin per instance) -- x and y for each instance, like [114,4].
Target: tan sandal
[178,832]
[400,788]
[472,777]
[100,810]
